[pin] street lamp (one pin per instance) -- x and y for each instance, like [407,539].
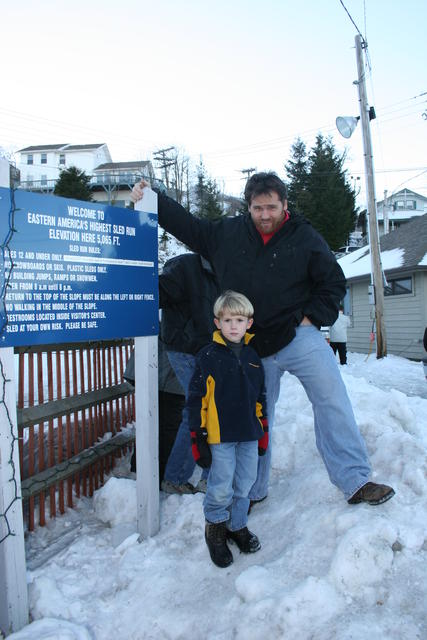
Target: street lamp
[346,126]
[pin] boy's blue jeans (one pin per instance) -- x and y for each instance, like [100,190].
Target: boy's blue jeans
[180,465]
[232,474]
[343,450]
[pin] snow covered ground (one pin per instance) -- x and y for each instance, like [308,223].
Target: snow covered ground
[326,570]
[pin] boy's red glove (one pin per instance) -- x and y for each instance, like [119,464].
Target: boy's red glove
[200,449]
[263,442]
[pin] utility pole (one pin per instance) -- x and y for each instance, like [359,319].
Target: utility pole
[165,162]
[248,172]
[376,270]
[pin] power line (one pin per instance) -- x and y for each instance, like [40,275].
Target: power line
[69,126]
[408,180]
[225,156]
[257,146]
[395,104]
[386,112]
[355,25]
[364,16]
[130,141]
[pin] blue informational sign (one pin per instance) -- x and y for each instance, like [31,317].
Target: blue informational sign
[74,271]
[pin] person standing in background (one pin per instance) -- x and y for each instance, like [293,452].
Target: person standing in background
[187,292]
[338,335]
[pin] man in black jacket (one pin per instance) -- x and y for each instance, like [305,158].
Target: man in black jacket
[295,284]
[187,292]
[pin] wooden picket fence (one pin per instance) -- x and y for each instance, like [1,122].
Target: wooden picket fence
[72,406]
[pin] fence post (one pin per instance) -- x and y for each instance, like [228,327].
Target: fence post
[14,595]
[147,418]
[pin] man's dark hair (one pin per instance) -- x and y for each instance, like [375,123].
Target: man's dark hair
[261,183]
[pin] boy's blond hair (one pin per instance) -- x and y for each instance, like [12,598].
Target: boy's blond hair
[236,304]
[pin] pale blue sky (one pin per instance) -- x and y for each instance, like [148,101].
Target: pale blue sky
[233,80]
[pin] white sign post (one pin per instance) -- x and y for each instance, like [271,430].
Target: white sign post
[147,418]
[13,591]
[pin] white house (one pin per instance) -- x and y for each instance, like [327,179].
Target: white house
[111,182]
[399,208]
[41,165]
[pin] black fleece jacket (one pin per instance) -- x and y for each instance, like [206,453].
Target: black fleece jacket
[294,275]
[187,292]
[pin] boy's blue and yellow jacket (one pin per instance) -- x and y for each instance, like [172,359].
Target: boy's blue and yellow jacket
[227,394]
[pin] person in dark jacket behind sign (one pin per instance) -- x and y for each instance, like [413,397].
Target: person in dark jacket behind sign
[171,405]
[295,284]
[187,292]
[425,348]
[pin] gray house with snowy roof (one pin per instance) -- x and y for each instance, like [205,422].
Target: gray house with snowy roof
[404,261]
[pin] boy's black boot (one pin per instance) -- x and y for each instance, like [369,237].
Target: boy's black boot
[245,540]
[216,539]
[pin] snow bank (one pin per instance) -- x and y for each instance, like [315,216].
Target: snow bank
[326,570]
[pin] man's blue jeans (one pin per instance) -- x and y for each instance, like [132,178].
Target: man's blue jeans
[180,464]
[232,474]
[343,450]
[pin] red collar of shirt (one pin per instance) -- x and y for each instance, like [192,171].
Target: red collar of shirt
[267,236]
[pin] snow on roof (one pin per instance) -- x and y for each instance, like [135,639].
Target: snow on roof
[402,248]
[44,147]
[81,147]
[66,147]
[358,263]
[133,164]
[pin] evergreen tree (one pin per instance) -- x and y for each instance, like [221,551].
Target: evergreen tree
[297,170]
[326,197]
[207,196]
[73,183]
[243,208]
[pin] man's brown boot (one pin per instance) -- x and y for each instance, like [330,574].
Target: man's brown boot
[372,493]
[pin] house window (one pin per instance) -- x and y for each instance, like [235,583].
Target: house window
[43,180]
[62,158]
[30,158]
[401,205]
[43,158]
[29,180]
[398,287]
